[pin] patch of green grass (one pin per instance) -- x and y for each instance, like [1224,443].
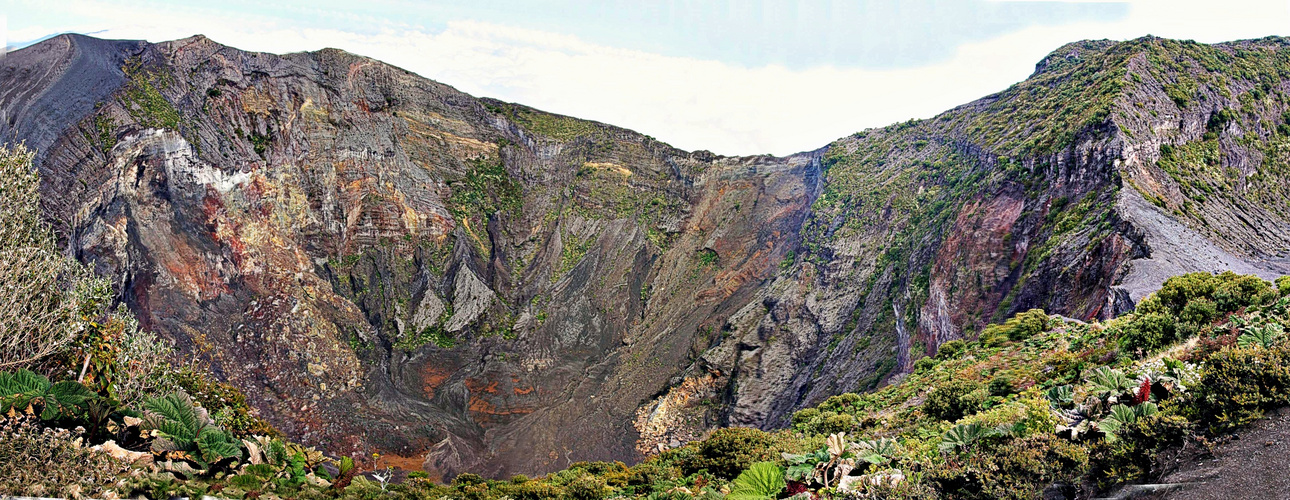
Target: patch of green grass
[572,250]
[143,99]
[558,127]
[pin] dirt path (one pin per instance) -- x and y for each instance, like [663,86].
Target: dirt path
[1256,465]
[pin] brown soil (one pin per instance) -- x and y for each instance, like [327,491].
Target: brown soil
[1254,464]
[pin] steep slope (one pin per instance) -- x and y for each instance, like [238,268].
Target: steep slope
[384,263]
[1077,191]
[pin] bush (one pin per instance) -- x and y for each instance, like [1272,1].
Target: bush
[226,404]
[1237,291]
[1014,468]
[643,476]
[762,481]
[1237,385]
[1152,434]
[1199,311]
[587,487]
[183,427]
[925,364]
[805,416]
[954,400]
[533,490]
[727,452]
[1001,385]
[1283,286]
[50,298]
[43,463]
[466,479]
[1019,327]
[1177,291]
[139,365]
[1148,332]
[833,423]
[951,350]
[1229,292]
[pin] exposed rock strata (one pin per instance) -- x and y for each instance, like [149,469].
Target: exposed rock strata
[382,262]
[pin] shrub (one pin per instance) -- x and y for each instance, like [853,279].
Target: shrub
[467,478]
[951,350]
[643,476]
[1264,336]
[44,462]
[727,452]
[183,427]
[925,364]
[1237,385]
[805,415]
[954,400]
[141,362]
[1133,456]
[226,404]
[832,423]
[1122,415]
[587,487]
[534,490]
[1283,285]
[1237,291]
[49,298]
[1177,291]
[1199,311]
[1013,469]
[1019,327]
[1148,332]
[23,389]
[1001,385]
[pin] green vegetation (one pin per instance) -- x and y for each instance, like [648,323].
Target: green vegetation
[761,481]
[1038,400]
[1072,91]
[572,250]
[259,142]
[104,133]
[436,334]
[143,98]
[558,127]
[485,189]
[226,404]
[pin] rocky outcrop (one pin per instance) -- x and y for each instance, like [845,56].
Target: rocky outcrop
[384,263]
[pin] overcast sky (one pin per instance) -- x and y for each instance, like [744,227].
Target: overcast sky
[733,77]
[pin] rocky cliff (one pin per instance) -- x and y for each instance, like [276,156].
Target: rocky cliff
[383,263]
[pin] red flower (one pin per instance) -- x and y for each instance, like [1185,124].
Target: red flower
[795,487]
[1144,392]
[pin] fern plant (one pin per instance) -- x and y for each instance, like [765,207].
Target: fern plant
[963,435]
[1122,415]
[25,389]
[762,481]
[187,428]
[1061,396]
[1260,336]
[876,451]
[1109,382]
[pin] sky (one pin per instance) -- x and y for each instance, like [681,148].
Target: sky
[734,77]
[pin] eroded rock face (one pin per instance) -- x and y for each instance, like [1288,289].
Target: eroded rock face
[386,264]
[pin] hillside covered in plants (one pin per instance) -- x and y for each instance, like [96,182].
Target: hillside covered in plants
[374,264]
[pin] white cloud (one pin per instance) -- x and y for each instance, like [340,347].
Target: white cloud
[690,103]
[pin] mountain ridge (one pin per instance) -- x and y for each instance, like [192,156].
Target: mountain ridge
[427,273]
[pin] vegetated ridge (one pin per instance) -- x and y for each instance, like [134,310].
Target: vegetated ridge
[384,263]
